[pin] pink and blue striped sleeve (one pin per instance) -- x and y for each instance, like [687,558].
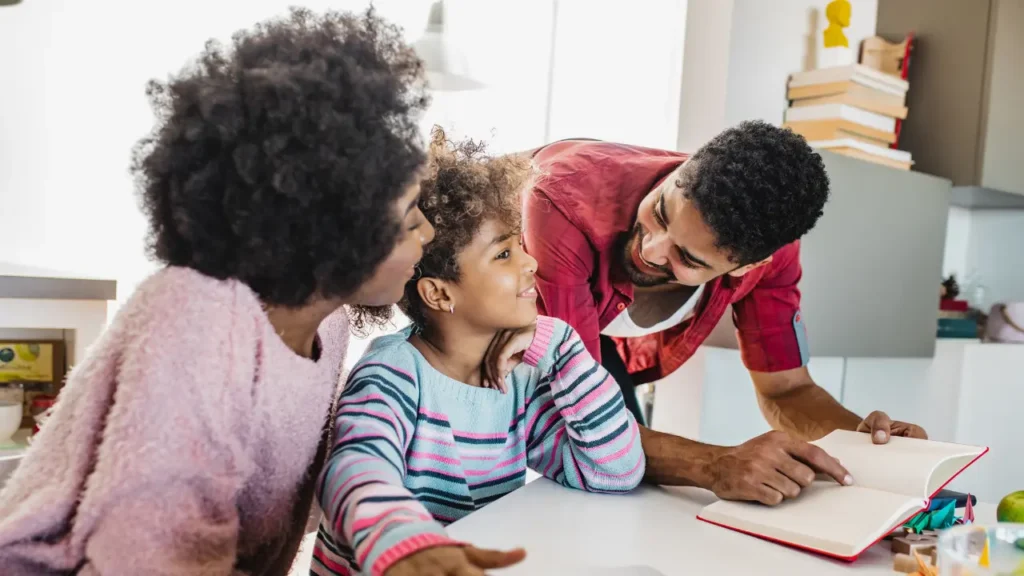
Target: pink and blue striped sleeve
[580,433]
[361,489]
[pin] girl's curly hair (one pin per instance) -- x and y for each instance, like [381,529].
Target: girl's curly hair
[464,188]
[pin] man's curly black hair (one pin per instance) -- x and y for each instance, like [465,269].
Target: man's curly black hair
[758,187]
[464,187]
[278,161]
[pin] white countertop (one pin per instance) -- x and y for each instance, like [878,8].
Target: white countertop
[16,447]
[11,455]
[572,532]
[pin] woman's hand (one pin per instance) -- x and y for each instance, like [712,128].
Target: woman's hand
[504,354]
[454,561]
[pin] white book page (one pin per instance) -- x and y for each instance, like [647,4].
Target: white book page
[904,465]
[835,519]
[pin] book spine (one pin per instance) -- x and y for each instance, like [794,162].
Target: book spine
[957,328]
[953,305]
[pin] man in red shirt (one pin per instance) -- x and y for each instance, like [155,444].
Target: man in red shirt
[642,251]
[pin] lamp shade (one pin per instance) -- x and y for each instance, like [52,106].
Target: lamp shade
[445,65]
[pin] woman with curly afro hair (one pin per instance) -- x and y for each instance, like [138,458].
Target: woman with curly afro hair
[281,186]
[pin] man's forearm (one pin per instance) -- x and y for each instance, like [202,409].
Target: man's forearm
[808,412]
[677,461]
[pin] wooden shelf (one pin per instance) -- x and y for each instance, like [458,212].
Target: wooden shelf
[18,281]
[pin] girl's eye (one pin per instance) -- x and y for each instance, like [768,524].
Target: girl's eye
[504,254]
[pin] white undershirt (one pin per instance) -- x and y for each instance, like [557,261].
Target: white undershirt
[624,327]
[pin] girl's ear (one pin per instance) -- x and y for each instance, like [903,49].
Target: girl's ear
[435,294]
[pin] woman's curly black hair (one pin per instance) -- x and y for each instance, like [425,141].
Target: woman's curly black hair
[464,188]
[278,161]
[758,187]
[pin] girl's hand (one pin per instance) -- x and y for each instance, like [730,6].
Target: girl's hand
[454,561]
[504,354]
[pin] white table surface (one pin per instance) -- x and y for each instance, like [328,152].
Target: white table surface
[572,532]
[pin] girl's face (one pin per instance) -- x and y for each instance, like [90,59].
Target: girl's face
[386,285]
[496,288]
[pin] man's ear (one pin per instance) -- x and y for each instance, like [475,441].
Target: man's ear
[744,269]
[435,294]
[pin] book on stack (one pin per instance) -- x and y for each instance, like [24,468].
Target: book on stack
[850,110]
[955,320]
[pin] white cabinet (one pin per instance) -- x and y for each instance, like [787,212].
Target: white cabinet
[969,393]
[965,116]
[712,399]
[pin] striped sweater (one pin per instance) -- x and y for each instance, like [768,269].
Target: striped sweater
[415,450]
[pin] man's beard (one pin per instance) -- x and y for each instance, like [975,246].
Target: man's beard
[627,242]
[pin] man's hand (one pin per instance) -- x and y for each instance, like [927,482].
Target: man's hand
[454,561]
[771,468]
[882,428]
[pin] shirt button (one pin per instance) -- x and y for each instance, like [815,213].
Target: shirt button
[620,306]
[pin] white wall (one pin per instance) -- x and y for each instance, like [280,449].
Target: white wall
[507,46]
[983,247]
[771,40]
[73,103]
[705,75]
[994,254]
[958,234]
[615,73]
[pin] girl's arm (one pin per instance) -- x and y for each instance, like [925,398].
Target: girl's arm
[361,489]
[579,431]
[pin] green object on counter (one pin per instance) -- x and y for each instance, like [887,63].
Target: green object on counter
[944,518]
[1011,508]
[918,523]
[939,519]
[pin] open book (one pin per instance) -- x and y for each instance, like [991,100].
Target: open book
[893,482]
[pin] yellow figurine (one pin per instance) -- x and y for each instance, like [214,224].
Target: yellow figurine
[838,14]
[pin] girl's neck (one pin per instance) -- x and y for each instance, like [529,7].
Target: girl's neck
[455,352]
[297,327]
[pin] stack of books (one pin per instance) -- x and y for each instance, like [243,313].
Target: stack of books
[851,110]
[956,320]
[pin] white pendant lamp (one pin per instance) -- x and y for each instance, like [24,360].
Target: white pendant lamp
[445,65]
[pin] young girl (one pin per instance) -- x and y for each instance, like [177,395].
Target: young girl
[189,441]
[429,429]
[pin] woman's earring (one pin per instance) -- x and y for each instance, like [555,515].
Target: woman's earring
[451,308]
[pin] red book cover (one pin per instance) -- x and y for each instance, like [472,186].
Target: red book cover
[950,305]
[737,522]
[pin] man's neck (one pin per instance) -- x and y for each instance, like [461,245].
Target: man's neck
[454,350]
[667,287]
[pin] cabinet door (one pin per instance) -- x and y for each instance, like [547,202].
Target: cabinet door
[946,75]
[1003,108]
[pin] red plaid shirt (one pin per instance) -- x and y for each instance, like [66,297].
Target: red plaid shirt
[585,197]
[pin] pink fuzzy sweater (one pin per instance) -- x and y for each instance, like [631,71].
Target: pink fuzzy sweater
[187,443]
